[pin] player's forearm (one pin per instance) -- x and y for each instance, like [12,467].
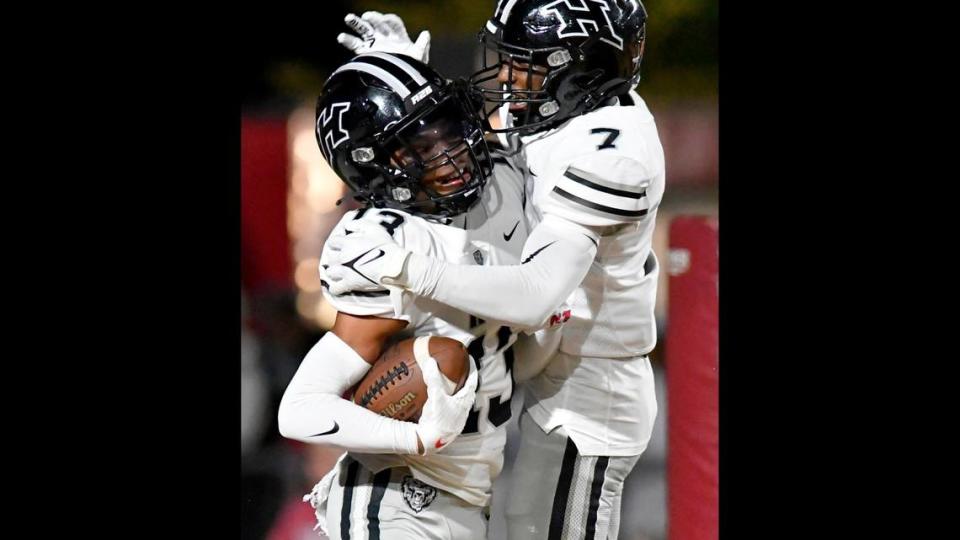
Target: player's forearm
[556,259]
[320,418]
[313,411]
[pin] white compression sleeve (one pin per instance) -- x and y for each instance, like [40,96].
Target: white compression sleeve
[312,410]
[556,258]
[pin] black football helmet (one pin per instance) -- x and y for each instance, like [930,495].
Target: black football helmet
[586,52]
[401,136]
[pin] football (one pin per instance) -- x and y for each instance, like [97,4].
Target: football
[394,386]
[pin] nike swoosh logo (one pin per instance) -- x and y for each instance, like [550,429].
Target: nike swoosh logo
[506,236]
[350,264]
[334,429]
[535,253]
[381,254]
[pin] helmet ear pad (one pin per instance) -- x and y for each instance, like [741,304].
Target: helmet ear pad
[572,90]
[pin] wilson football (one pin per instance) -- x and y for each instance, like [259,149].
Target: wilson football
[394,386]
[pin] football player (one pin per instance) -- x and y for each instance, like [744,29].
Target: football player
[561,90]
[410,145]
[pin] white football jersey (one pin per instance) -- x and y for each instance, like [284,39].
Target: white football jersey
[491,233]
[605,170]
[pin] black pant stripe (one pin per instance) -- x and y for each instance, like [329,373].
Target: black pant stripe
[352,470]
[599,474]
[563,491]
[605,189]
[380,481]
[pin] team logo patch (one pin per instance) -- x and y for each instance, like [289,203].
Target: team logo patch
[478,256]
[416,494]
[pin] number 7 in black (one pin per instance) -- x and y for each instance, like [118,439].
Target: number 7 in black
[612,135]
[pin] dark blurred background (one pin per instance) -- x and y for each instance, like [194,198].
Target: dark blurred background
[288,206]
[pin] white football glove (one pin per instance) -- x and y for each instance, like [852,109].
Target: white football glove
[360,260]
[384,33]
[443,416]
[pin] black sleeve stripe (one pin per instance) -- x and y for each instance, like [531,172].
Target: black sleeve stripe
[600,207]
[366,294]
[605,189]
[592,240]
